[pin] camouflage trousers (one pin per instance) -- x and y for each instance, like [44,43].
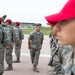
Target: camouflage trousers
[18,49]
[34,56]
[1,60]
[8,55]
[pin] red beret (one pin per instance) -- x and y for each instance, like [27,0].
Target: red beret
[9,21]
[0,19]
[17,23]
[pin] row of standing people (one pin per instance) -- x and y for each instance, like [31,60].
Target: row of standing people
[63,23]
[35,42]
[8,37]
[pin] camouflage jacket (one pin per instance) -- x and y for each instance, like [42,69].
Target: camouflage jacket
[3,37]
[19,34]
[11,36]
[36,38]
[68,57]
[63,61]
[55,59]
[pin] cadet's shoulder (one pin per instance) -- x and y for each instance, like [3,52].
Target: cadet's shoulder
[33,32]
[1,26]
[41,33]
[10,27]
[67,49]
[20,29]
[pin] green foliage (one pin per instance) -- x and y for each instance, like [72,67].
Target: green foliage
[45,30]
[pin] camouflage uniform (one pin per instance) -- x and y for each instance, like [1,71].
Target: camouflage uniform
[55,64]
[11,38]
[2,44]
[62,60]
[19,38]
[68,61]
[35,46]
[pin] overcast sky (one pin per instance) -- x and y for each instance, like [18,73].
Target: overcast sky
[30,10]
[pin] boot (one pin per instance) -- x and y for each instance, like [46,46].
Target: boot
[17,60]
[35,69]
[9,68]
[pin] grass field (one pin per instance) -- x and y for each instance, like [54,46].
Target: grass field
[45,30]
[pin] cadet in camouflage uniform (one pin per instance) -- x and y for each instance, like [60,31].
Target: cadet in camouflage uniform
[9,48]
[55,64]
[18,43]
[64,26]
[35,41]
[3,41]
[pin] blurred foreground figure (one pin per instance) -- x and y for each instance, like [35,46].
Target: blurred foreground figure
[64,27]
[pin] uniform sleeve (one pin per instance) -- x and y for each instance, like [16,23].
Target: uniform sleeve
[0,36]
[6,40]
[14,36]
[30,36]
[17,35]
[42,36]
[22,35]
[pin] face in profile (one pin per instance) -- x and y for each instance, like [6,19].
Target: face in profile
[65,32]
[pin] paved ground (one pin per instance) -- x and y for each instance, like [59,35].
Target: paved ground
[25,66]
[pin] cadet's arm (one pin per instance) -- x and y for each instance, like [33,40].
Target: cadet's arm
[28,43]
[41,41]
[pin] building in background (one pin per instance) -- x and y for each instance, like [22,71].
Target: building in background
[24,25]
[27,25]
